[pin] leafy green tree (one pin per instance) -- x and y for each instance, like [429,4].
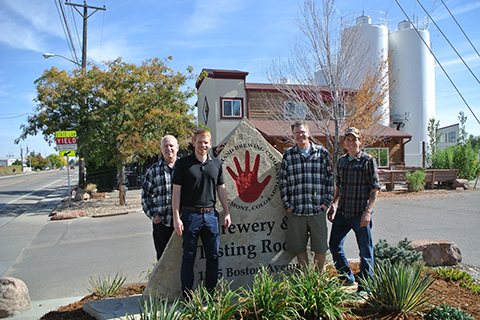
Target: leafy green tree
[433,135]
[461,156]
[120,111]
[17,163]
[56,160]
[37,161]
[463,132]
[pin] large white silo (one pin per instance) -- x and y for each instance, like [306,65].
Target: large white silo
[413,98]
[371,39]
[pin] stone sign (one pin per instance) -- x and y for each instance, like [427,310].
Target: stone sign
[257,235]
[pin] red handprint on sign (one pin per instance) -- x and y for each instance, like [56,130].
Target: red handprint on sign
[248,187]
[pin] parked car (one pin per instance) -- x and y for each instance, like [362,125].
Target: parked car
[46,168]
[72,167]
[62,168]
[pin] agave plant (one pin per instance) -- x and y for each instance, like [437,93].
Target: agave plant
[399,287]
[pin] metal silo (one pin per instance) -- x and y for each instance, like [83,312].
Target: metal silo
[413,98]
[371,37]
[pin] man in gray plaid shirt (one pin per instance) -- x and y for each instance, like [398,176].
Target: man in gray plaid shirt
[157,194]
[306,188]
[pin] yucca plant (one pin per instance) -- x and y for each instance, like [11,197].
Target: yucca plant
[399,287]
[318,295]
[154,309]
[221,304]
[106,287]
[268,298]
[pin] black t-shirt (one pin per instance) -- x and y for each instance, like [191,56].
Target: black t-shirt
[199,181]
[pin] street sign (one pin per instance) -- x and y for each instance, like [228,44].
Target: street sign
[69,153]
[66,147]
[66,140]
[66,134]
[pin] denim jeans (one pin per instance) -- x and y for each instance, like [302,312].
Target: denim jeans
[206,226]
[340,228]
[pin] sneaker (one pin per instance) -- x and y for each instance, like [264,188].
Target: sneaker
[361,294]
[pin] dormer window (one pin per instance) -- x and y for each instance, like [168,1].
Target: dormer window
[231,108]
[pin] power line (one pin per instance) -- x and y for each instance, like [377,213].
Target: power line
[66,29]
[436,59]
[13,117]
[460,28]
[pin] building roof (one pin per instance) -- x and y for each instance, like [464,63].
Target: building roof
[278,129]
[221,74]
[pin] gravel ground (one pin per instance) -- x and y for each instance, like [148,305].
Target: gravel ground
[104,204]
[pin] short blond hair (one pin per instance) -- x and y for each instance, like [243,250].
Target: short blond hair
[202,132]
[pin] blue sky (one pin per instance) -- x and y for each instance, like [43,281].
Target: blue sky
[221,34]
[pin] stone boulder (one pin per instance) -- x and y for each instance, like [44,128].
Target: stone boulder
[81,194]
[14,297]
[67,215]
[438,252]
[460,183]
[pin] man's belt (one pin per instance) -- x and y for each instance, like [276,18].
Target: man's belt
[200,210]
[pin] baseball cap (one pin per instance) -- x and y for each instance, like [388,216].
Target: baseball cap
[353,131]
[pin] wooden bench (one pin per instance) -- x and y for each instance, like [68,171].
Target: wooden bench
[391,177]
[446,176]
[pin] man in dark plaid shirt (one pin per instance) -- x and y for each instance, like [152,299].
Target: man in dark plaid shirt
[352,207]
[306,188]
[157,194]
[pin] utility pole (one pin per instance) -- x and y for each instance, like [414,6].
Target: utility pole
[85,16]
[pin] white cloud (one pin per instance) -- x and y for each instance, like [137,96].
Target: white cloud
[208,14]
[26,24]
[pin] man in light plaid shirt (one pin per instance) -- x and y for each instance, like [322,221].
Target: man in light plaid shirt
[306,188]
[157,194]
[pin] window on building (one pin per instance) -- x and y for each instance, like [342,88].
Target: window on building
[443,138]
[232,108]
[295,110]
[380,155]
[452,137]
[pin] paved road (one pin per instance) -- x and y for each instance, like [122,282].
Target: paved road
[56,258]
[454,216]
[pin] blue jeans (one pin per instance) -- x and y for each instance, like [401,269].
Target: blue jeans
[340,228]
[206,226]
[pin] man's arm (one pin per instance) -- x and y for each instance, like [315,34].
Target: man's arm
[333,206]
[367,214]
[147,193]
[222,195]
[176,194]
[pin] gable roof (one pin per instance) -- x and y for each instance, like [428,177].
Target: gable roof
[221,74]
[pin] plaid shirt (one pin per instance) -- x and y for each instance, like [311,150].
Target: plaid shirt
[157,192]
[355,179]
[306,182]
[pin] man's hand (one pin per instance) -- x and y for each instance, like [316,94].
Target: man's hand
[324,207]
[366,218]
[178,225]
[331,213]
[157,219]
[227,222]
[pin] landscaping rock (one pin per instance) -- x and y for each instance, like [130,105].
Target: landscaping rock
[81,194]
[14,297]
[438,252]
[460,183]
[67,215]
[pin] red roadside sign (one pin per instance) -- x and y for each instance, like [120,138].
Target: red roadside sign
[66,140]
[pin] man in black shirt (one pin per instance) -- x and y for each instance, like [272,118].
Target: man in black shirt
[195,179]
